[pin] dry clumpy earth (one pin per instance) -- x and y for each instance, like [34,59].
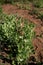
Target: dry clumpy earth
[38,40]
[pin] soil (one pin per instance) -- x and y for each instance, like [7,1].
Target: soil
[38,40]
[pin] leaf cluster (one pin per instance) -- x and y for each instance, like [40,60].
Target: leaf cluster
[16,34]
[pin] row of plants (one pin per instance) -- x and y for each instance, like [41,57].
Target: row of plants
[37,3]
[16,34]
[13,1]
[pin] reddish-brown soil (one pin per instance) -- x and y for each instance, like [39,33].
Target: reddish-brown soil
[38,40]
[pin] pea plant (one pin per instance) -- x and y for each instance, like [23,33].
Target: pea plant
[16,34]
